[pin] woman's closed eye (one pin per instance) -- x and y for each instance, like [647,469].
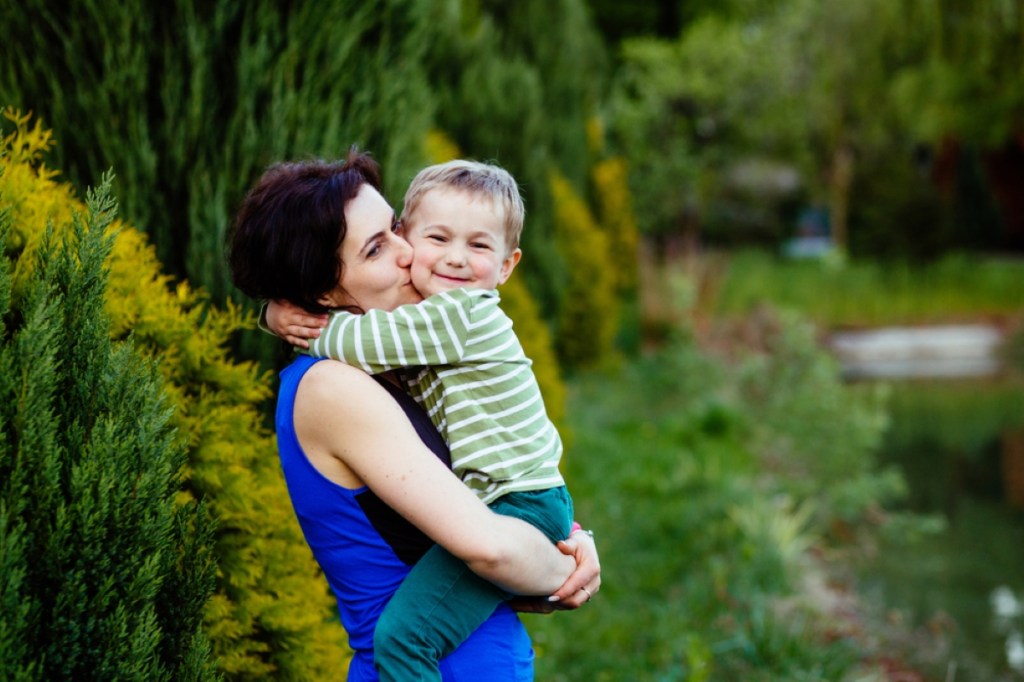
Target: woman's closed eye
[376,248]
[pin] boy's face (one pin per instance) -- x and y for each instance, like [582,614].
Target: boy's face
[458,240]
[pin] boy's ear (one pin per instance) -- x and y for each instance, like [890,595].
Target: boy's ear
[509,264]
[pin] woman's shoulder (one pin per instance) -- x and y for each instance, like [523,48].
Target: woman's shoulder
[334,380]
[333,398]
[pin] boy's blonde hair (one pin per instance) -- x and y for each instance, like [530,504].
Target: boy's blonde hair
[484,179]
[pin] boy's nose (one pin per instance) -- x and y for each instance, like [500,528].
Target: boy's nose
[455,256]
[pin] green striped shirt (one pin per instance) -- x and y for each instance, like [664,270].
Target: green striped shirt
[462,362]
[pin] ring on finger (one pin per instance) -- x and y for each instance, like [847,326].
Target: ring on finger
[589,595]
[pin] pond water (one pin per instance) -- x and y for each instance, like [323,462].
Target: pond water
[960,445]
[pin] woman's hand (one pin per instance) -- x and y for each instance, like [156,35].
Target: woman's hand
[294,324]
[581,586]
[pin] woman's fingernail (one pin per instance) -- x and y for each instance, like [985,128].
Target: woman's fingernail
[554,598]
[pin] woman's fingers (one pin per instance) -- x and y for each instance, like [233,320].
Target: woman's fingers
[585,581]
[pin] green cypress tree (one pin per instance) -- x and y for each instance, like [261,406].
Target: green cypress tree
[190,101]
[517,83]
[105,574]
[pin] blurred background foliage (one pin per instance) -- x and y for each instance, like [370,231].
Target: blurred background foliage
[902,118]
[667,151]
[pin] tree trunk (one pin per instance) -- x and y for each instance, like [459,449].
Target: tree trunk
[840,181]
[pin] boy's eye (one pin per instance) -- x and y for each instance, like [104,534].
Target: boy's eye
[397,226]
[437,238]
[480,245]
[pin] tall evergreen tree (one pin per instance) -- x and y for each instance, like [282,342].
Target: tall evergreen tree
[105,575]
[189,101]
[517,84]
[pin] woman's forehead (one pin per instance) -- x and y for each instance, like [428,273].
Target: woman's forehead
[367,213]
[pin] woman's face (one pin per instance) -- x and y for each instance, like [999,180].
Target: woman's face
[375,259]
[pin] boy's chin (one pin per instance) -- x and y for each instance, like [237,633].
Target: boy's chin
[435,287]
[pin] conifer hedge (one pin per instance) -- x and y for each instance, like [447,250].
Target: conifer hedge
[517,83]
[190,101]
[270,615]
[103,575]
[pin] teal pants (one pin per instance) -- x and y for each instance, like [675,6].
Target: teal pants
[441,602]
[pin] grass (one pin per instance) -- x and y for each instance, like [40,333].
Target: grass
[702,556]
[857,294]
[715,489]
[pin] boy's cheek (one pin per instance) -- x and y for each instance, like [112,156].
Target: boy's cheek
[421,281]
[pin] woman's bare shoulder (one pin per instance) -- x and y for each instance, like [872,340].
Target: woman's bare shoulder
[332,381]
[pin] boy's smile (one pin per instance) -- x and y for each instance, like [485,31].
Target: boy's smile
[458,240]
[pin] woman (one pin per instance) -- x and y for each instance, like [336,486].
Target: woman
[356,459]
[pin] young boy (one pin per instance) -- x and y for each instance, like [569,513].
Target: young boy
[458,356]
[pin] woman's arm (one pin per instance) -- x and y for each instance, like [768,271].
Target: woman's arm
[582,585]
[341,412]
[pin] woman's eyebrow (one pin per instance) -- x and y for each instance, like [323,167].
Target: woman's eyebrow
[373,238]
[376,235]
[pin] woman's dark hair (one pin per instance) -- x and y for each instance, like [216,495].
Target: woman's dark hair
[285,238]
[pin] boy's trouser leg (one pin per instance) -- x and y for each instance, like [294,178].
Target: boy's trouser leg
[441,602]
[438,606]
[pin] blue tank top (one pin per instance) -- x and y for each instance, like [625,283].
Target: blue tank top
[365,549]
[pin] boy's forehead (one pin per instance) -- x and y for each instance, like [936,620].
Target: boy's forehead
[449,205]
[444,195]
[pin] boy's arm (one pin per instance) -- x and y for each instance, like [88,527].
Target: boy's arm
[433,332]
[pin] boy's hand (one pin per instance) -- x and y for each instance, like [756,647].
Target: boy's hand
[534,605]
[293,324]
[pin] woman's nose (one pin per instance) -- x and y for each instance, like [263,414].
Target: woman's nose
[404,251]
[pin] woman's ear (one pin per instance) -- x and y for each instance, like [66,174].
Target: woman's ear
[509,264]
[335,298]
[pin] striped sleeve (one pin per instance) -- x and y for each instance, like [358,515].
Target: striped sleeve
[433,332]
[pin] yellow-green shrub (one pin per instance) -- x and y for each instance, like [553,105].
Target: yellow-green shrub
[617,221]
[439,148]
[536,339]
[271,615]
[589,315]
